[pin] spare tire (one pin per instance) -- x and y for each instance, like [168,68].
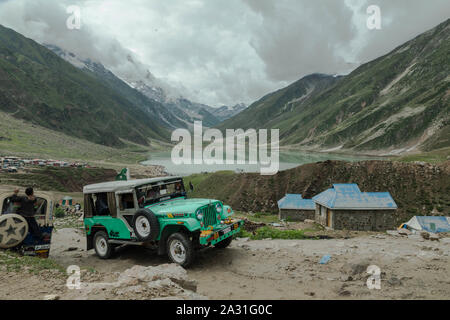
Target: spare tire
[13,230]
[145,225]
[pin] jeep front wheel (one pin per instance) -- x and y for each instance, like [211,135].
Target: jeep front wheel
[103,249]
[180,249]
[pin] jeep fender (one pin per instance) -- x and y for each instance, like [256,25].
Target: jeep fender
[170,229]
[90,236]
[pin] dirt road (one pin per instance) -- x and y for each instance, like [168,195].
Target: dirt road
[411,268]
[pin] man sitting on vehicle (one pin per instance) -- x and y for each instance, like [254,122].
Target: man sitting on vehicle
[27,210]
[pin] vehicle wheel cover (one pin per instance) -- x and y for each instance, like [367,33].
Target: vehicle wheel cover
[177,251]
[143,226]
[101,244]
[13,230]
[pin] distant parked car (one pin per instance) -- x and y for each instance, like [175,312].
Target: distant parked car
[12,169]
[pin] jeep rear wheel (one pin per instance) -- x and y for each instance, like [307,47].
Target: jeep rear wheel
[145,225]
[103,249]
[180,249]
[223,244]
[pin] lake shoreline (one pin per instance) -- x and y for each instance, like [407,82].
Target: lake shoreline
[288,159]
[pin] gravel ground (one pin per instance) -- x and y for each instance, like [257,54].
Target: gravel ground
[410,267]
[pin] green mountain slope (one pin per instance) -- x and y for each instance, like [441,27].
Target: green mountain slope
[171,113]
[38,86]
[398,101]
[271,108]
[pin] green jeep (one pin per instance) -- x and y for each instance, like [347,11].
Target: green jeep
[155,213]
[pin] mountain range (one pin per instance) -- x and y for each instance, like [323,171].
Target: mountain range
[393,104]
[153,96]
[396,103]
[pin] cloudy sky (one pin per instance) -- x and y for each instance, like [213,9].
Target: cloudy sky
[225,52]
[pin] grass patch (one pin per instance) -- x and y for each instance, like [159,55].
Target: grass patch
[21,138]
[14,262]
[435,156]
[268,232]
[243,234]
[272,233]
[198,178]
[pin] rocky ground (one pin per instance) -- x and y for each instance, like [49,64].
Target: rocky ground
[410,268]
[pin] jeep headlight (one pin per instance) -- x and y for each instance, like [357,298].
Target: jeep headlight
[219,208]
[199,214]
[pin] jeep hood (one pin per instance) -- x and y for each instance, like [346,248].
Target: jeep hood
[180,205]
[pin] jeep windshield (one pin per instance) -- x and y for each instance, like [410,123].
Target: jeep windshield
[160,191]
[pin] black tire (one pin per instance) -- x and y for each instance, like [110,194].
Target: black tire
[223,244]
[103,249]
[180,239]
[144,219]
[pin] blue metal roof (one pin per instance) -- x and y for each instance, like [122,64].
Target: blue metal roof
[349,196]
[296,202]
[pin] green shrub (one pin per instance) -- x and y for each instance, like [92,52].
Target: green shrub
[60,213]
[243,234]
[268,232]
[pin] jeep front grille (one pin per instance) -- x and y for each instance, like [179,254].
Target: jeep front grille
[209,216]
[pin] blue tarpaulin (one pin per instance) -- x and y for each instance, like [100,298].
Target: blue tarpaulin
[430,224]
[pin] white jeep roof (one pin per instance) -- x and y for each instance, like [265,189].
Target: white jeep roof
[114,186]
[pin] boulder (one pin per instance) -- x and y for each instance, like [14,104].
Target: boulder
[393,233]
[172,271]
[425,235]
[355,269]
[404,232]
[434,237]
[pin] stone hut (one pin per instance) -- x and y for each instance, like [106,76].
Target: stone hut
[294,208]
[345,207]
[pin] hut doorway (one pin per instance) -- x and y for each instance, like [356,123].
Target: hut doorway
[329,217]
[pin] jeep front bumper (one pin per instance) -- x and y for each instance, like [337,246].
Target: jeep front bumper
[214,236]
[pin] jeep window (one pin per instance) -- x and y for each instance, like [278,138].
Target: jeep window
[101,204]
[89,209]
[40,207]
[126,201]
[9,206]
[161,192]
